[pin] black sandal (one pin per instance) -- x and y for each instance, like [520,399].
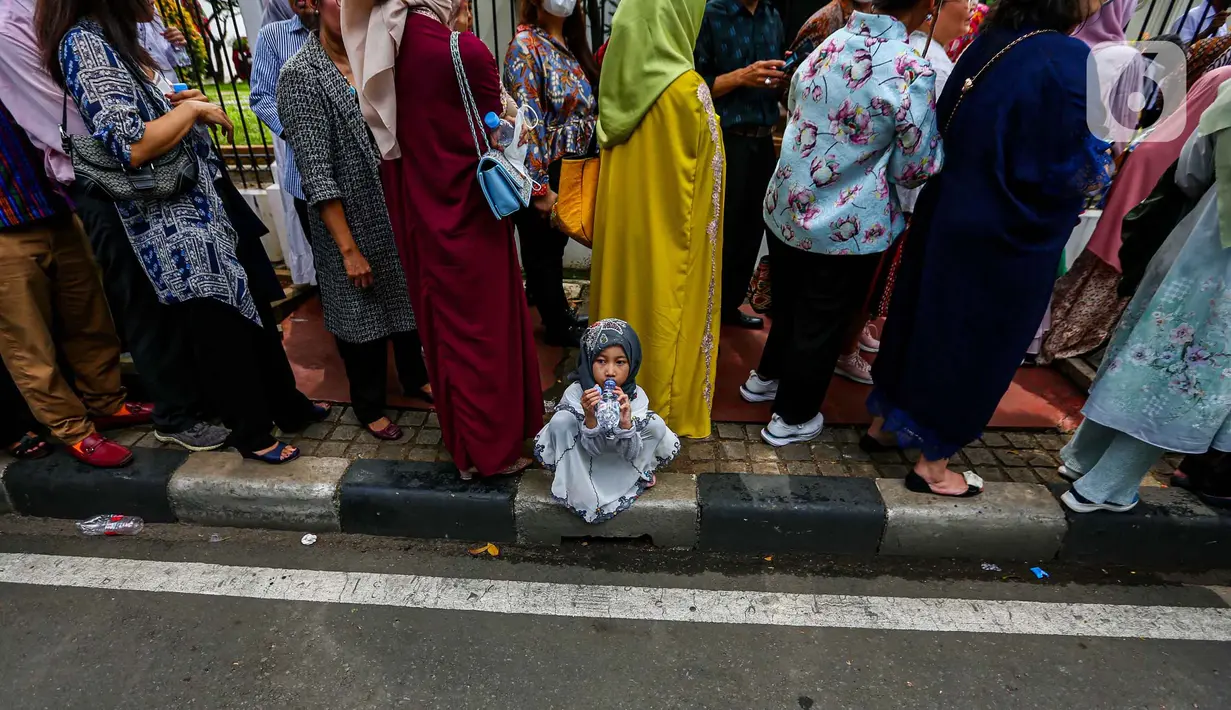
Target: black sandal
[29,447]
[974,485]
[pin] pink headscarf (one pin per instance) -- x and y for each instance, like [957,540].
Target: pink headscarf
[1107,25]
[372,32]
[1143,167]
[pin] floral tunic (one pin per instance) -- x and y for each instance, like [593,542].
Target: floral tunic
[544,75]
[862,118]
[1166,377]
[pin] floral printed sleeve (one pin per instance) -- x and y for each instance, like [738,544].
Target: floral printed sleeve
[917,152]
[523,78]
[104,91]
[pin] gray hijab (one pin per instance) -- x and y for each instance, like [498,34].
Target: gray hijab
[599,337]
[276,11]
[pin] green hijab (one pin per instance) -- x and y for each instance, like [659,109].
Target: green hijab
[652,43]
[1217,118]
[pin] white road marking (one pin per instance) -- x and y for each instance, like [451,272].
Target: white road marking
[618,602]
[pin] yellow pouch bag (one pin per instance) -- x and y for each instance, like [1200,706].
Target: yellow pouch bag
[577,195]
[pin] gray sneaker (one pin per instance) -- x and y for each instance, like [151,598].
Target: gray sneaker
[198,437]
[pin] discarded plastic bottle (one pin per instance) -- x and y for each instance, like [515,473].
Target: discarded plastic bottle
[501,130]
[608,410]
[111,525]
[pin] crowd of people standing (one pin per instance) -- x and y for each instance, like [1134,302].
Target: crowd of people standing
[890,201]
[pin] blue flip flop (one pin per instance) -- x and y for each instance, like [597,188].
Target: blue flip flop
[273,456]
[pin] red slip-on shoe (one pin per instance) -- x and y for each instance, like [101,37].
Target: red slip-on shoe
[99,451]
[129,414]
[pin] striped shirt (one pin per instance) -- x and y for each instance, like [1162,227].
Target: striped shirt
[26,195]
[276,43]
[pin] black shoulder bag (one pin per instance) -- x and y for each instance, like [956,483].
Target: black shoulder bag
[100,174]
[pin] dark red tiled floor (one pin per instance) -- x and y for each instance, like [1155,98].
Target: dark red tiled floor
[320,374]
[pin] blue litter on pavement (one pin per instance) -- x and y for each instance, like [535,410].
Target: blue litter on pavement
[1039,572]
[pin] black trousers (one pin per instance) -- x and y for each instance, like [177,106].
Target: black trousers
[815,296]
[542,258]
[158,343]
[366,367]
[196,361]
[750,166]
[243,371]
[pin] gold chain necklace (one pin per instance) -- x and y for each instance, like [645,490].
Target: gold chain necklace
[970,81]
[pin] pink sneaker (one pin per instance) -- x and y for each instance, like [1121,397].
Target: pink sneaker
[869,339]
[855,368]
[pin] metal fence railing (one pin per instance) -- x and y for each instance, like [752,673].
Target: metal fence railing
[219,46]
[221,62]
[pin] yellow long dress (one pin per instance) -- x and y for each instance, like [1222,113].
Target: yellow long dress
[658,249]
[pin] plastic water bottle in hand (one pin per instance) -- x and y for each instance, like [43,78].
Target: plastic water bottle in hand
[608,410]
[500,130]
[111,525]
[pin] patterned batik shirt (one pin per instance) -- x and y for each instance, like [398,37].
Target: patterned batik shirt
[862,118]
[186,244]
[731,39]
[543,75]
[823,23]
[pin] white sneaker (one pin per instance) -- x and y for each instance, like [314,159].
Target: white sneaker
[855,368]
[779,433]
[1078,504]
[1067,474]
[757,389]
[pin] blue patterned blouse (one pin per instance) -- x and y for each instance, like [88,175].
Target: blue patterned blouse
[862,117]
[186,244]
[542,74]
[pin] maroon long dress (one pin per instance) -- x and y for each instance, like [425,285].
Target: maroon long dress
[461,263]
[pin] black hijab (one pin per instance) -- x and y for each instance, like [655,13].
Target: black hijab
[599,337]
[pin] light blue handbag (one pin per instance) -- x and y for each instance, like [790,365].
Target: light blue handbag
[506,185]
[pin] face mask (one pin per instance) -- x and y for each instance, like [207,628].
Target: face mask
[559,8]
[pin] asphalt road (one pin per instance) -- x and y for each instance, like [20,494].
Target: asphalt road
[98,647]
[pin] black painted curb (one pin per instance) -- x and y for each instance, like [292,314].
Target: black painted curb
[426,500]
[742,512]
[1170,527]
[59,486]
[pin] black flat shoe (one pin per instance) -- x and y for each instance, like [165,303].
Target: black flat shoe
[974,485]
[743,320]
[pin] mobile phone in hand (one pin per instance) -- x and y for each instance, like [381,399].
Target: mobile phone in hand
[794,59]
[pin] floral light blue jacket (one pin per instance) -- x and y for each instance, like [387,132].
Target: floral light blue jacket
[862,117]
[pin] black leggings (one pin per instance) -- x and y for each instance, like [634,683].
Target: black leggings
[367,365]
